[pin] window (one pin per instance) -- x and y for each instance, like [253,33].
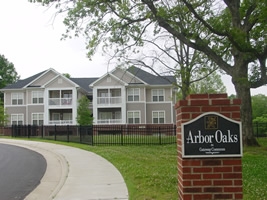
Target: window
[55,116]
[158,117]
[17,98]
[17,119]
[157,95]
[133,94]
[37,97]
[38,119]
[134,117]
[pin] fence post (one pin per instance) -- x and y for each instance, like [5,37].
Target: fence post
[80,134]
[160,142]
[29,131]
[93,134]
[68,133]
[42,130]
[55,132]
[121,135]
[13,130]
[257,129]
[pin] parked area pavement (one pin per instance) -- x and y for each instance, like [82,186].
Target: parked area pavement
[74,174]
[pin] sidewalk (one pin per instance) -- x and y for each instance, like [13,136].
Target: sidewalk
[74,174]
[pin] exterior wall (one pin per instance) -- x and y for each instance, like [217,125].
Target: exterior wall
[44,79]
[16,110]
[108,81]
[167,93]
[142,97]
[29,95]
[60,82]
[166,107]
[137,107]
[33,109]
[8,97]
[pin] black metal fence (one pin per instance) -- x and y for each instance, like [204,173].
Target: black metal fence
[147,134]
[260,129]
[101,134]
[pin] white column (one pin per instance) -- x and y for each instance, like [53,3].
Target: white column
[123,104]
[95,105]
[46,107]
[74,105]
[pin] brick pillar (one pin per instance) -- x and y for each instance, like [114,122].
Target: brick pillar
[207,178]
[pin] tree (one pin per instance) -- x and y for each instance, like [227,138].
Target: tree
[232,34]
[172,57]
[8,73]
[211,84]
[84,115]
[66,75]
[3,115]
[259,105]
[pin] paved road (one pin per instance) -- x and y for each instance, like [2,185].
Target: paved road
[20,171]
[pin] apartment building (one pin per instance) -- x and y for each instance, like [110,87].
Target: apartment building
[122,96]
[133,96]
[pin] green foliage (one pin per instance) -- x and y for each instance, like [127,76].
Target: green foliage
[84,115]
[3,115]
[260,125]
[66,75]
[8,73]
[211,84]
[261,119]
[259,106]
[223,30]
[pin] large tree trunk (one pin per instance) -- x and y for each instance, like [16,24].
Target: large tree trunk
[243,93]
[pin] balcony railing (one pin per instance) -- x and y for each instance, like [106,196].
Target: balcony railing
[109,121]
[60,101]
[108,100]
[60,122]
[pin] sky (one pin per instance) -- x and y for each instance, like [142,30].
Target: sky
[31,40]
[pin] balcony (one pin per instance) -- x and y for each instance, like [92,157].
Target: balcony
[60,122]
[109,121]
[109,101]
[60,102]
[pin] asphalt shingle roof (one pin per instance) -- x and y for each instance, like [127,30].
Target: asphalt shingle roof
[84,83]
[150,78]
[22,83]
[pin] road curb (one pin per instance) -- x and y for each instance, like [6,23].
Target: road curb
[56,172]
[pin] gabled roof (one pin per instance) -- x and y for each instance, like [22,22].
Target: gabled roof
[24,82]
[82,82]
[150,78]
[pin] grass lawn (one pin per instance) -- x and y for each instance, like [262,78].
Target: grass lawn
[255,171]
[150,172]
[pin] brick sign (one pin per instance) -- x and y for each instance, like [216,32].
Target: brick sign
[211,135]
